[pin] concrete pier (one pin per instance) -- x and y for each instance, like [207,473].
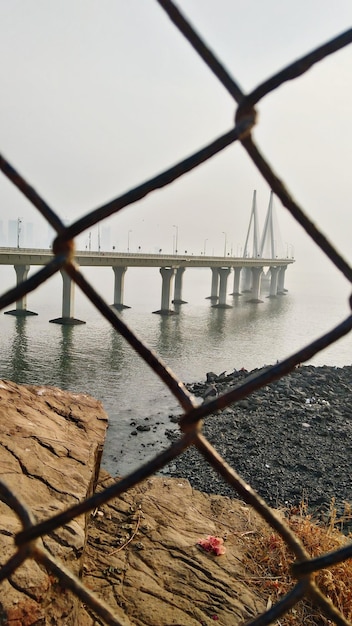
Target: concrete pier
[281,281]
[274,275]
[21,304]
[214,291]
[167,275]
[178,286]
[224,273]
[119,285]
[256,280]
[68,301]
[236,281]
[247,280]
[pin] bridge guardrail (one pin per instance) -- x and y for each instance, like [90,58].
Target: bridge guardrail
[7,255]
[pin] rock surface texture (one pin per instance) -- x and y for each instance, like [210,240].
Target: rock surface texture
[143,556]
[139,552]
[50,448]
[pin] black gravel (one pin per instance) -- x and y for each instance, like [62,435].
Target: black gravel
[290,440]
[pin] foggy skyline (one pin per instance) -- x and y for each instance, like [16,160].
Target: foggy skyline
[98,98]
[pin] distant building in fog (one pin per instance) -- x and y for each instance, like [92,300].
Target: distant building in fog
[28,238]
[14,233]
[3,238]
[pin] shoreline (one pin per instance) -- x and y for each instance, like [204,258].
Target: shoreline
[291,440]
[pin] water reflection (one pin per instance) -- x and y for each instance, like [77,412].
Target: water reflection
[115,356]
[170,337]
[19,362]
[65,359]
[217,321]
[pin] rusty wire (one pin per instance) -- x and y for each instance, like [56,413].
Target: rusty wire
[28,540]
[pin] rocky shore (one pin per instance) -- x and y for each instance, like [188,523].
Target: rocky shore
[140,552]
[291,440]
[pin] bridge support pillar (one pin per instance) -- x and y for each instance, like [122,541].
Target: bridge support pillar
[274,275]
[224,273]
[214,293]
[247,278]
[167,275]
[281,281]
[68,300]
[256,280]
[178,286]
[21,304]
[119,288]
[236,281]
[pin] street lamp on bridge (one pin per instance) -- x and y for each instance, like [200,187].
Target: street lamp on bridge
[205,246]
[289,250]
[19,228]
[176,238]
[128,240]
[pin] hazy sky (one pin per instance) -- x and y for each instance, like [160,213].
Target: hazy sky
[99,96]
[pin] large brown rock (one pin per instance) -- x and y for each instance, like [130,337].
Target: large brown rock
[51,443]
[138,552]
[142,556]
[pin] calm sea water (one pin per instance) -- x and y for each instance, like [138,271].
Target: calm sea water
[93,359]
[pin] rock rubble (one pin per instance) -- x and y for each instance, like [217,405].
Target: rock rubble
[290,440]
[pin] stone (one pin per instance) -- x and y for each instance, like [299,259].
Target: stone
[139,552]
[51,444]
[143,428]
[152,566]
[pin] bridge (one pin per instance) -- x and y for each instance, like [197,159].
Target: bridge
[247,270]
[172,268]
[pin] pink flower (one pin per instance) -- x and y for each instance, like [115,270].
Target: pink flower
[212,544]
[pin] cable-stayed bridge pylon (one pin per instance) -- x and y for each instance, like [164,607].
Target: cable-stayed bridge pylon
[269,245]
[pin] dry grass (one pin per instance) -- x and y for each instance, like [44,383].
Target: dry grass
[269,560]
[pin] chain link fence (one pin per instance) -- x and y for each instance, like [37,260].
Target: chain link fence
[28,540]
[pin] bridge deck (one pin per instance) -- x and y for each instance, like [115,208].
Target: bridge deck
[27,256]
